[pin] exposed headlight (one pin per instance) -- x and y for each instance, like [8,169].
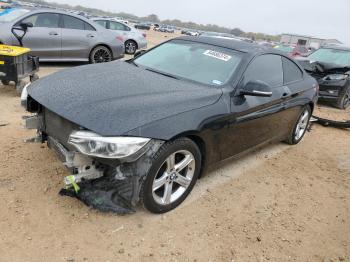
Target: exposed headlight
[337,77]
[90,143]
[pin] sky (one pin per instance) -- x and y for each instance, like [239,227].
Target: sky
[319,18]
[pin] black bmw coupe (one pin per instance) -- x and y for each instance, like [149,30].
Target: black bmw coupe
[143,131]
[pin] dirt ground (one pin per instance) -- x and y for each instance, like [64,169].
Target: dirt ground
[278,203]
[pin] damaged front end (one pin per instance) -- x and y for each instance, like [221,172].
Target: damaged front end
[106,172]
[332,79]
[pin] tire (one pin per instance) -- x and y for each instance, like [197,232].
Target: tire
[5,82]
[300,126]
[344,99]
[100,54]
[130,47]
[162,178]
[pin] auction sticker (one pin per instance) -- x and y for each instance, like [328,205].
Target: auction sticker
[217,55]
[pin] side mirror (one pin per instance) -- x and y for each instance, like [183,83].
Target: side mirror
[256,88]
[25,26]
[139,52]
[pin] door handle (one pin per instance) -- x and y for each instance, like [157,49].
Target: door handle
[53,33]
[90,35]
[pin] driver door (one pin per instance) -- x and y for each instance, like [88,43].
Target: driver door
[44,38]
[255,120]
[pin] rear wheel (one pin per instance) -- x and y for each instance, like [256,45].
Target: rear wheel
[100,54]
[344,99]
[130,47]
[300,126]
[173,174]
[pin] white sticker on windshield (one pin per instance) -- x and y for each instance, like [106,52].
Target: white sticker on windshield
[217,82]
[217,55]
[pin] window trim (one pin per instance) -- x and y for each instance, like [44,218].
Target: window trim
[40,13]
[295,81]
[62,23]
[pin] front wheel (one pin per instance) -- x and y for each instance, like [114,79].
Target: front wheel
[100,54]
[172,176]
[300,126]
[344,99]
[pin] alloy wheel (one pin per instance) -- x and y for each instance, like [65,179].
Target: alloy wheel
[101,56]
[130,47]
[302,124]
[174,177]
[347,99]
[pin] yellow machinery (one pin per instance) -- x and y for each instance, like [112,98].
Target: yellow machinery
[16,64]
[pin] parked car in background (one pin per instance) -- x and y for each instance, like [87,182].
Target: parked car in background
[60,36]
[220,35]
[300,50]
[331,68]
[192,33]
[132,38]
[155,122]
[165,29]
[184,31]
[143,26]
[287,49]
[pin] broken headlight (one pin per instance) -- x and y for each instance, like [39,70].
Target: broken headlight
[90,143]
[336,77]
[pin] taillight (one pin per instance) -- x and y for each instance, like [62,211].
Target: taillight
[144,35]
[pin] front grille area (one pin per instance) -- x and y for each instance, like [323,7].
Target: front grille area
[58,127]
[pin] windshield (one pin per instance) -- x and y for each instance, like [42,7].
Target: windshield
[199,62]
[10,15]
[332,56]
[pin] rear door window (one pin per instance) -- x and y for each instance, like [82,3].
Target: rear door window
[118,26]
[266,68]
[48,20]
[291,71]
[102,23]
[71,22]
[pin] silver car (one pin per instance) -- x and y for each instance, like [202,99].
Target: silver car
[132,38]
[60,36]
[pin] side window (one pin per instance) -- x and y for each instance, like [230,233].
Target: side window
[118,26]
[102,23]
[48,20]
[291,71]
[266,68]
[71,22]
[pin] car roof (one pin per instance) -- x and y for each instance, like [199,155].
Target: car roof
[108,19]
[49,10]
[234,44]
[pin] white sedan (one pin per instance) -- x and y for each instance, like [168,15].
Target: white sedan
[132,38]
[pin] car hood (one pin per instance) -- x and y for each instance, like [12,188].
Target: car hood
[321,67]
[114,98]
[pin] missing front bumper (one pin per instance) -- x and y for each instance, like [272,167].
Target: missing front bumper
[106,188]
